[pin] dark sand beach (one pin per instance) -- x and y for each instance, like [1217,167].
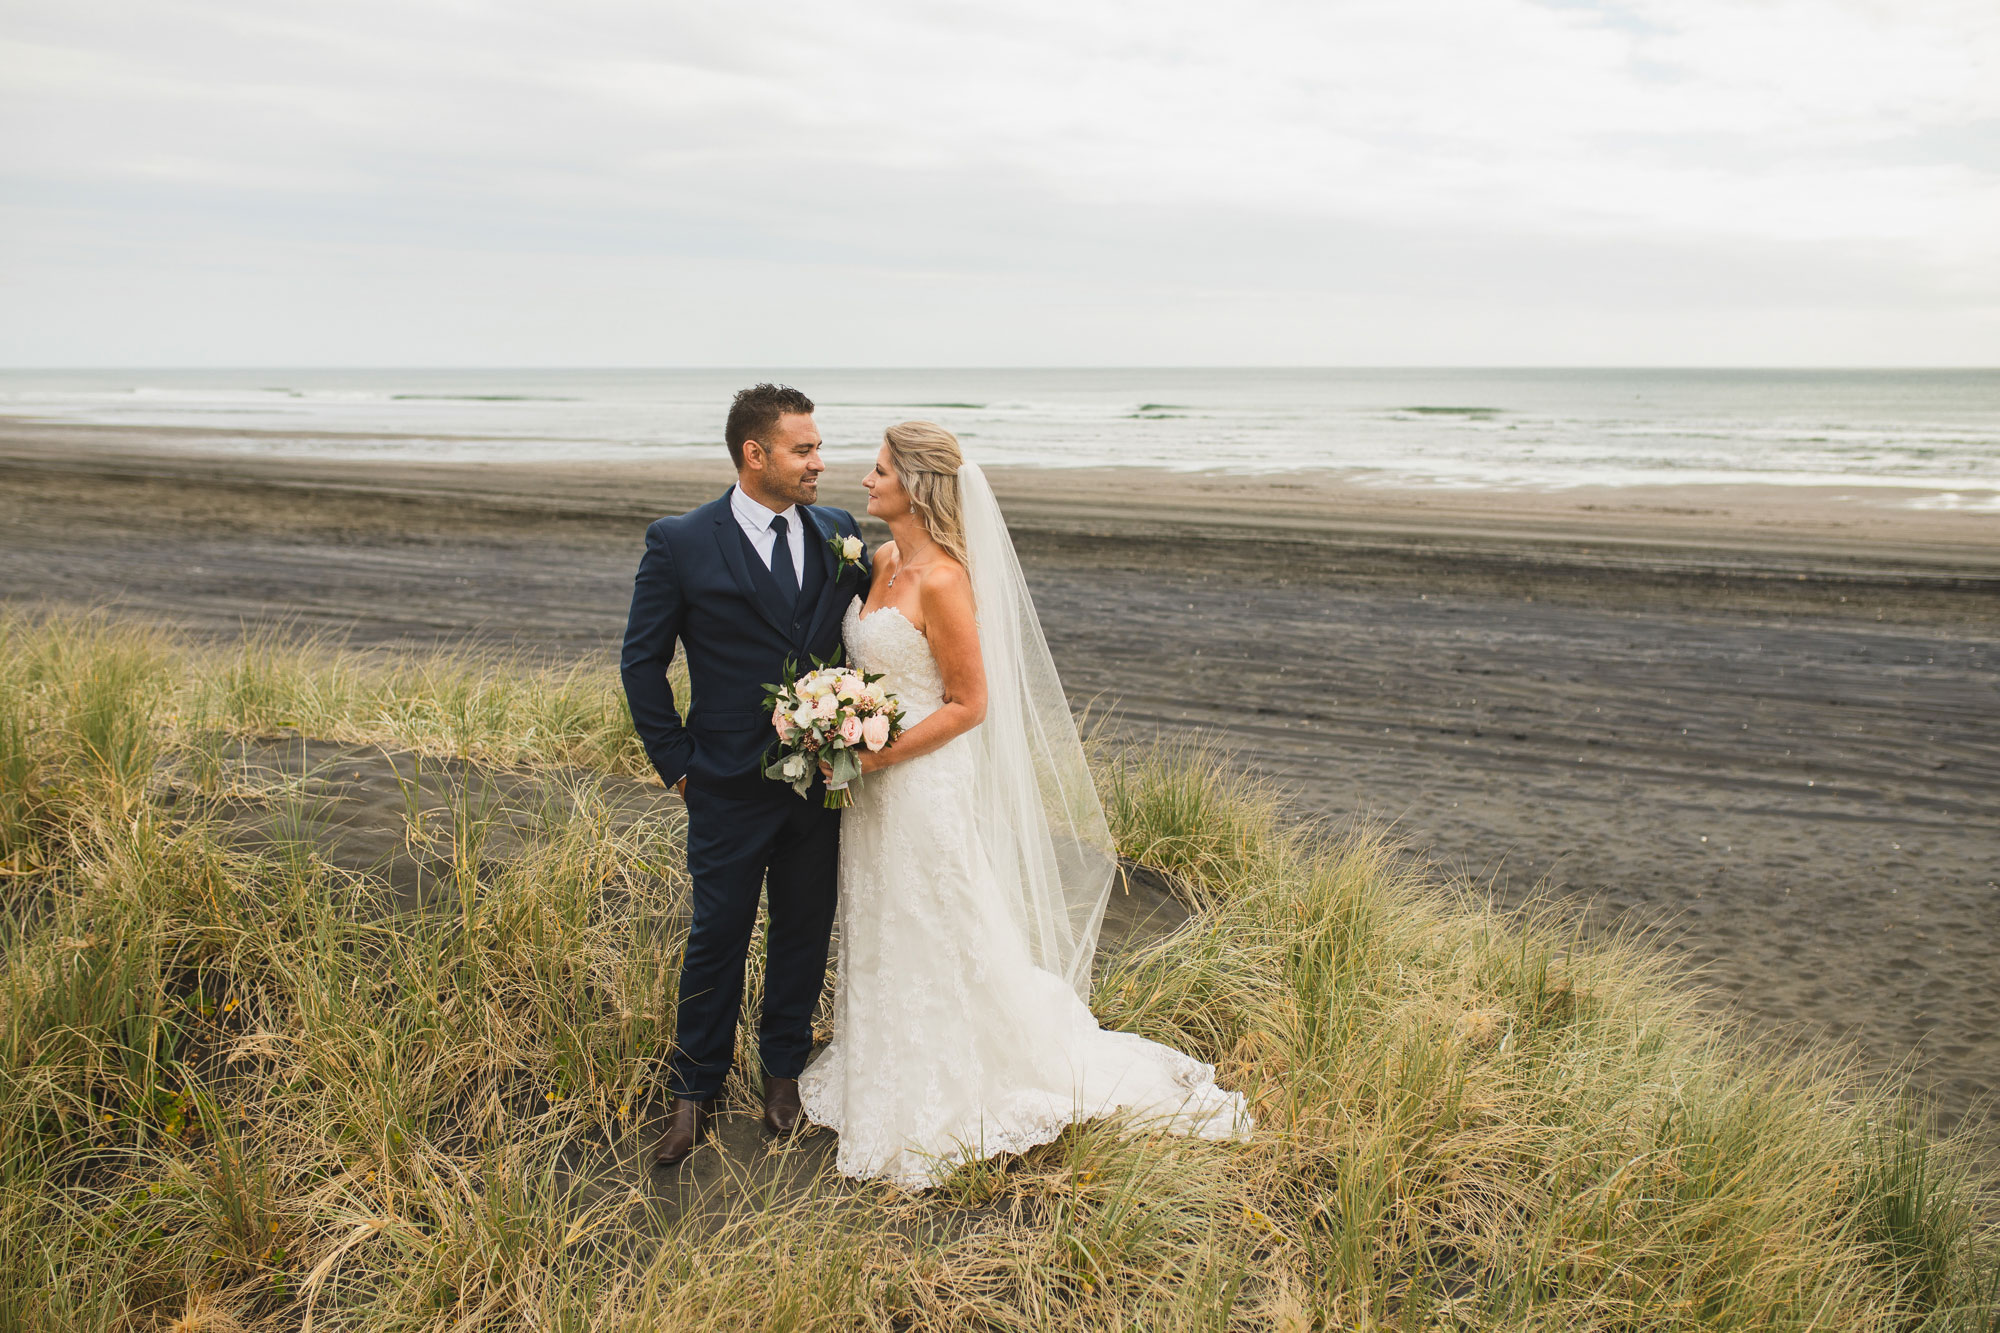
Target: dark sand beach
[1761,724]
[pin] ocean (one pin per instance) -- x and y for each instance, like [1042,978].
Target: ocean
[1932,434]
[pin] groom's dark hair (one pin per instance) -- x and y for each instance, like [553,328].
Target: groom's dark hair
[754,414]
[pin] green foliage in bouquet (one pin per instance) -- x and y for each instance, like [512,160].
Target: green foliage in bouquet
[796,755]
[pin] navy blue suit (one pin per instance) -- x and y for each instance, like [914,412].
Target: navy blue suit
[701,582]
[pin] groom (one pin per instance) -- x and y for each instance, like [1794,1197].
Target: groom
[746,583]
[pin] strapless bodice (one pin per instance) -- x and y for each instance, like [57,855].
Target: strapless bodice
[885,641]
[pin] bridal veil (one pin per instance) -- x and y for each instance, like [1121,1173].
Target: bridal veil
[1039,818]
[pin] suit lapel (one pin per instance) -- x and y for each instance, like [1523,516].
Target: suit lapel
[829,590]
[761,593]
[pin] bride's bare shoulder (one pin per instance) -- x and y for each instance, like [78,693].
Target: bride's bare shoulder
[944,577]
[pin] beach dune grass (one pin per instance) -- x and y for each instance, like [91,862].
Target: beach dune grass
[242,1087]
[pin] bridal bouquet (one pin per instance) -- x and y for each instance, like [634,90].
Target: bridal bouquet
[828,715]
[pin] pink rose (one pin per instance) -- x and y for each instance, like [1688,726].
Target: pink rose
[782,723]
[850,729]
[875,731]
[826,706]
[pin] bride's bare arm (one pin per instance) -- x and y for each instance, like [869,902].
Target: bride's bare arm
[946,598]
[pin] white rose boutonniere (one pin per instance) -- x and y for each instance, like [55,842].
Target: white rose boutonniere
[848,551]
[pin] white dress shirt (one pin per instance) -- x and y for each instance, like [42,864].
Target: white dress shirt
[755,521]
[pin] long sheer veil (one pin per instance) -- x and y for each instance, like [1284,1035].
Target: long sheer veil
[1039,819]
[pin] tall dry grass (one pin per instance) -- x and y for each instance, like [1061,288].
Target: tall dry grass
[242,1088]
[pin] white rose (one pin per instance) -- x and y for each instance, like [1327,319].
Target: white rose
[803,715]
[850,548]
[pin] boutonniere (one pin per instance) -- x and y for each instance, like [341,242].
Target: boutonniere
[847,550]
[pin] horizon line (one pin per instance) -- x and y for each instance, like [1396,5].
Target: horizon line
[1107,366]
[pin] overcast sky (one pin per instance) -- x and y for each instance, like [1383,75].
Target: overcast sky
[1022,182]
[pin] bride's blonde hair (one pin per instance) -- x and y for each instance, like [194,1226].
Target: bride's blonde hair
[926,459]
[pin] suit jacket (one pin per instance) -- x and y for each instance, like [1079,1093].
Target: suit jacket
[702,583]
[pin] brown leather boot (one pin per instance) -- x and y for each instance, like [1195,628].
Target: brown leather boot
[687,1125]
[782,1113]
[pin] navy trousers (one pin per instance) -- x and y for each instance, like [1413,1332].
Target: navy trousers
[742,837]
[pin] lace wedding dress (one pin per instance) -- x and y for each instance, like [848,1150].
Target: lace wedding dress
[950,1044]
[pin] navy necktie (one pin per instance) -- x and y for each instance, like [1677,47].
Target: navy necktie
[782,568]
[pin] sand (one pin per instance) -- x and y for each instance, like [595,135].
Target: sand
[1760,724]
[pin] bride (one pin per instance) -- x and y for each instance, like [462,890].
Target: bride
[974,867]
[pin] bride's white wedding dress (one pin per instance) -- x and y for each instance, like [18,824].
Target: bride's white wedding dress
[950,1044]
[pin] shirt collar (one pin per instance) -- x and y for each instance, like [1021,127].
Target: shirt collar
[749,511]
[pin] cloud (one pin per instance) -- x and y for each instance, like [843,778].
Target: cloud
[1276,175]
